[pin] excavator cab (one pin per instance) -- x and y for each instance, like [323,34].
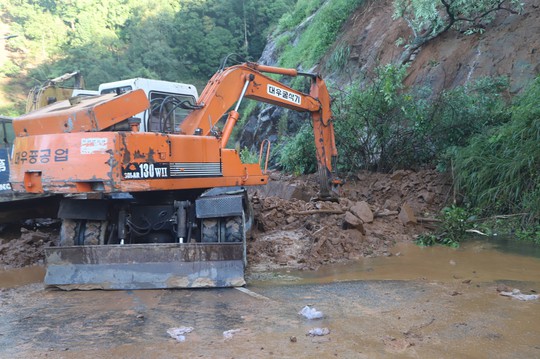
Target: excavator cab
[153,198]
[169,102]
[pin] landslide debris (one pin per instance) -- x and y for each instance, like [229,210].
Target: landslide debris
[374,211]
[24,247]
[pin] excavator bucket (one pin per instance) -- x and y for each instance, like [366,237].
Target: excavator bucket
[146,266]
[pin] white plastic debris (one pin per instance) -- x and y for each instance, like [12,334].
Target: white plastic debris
[228,334]
[311,313]
[179,333]
[516,293]
[318,332]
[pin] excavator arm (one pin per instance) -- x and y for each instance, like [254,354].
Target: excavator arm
[231,85]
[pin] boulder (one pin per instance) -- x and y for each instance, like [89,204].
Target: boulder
[398,175]
[390,205]
[406,215]
[352,222]
[361,210]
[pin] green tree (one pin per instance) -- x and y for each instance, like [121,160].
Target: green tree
[109,40]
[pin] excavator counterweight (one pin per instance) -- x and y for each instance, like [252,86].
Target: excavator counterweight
[153,198]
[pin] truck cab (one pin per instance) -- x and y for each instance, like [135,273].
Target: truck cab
[166,113]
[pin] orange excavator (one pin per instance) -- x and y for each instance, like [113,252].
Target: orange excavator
[156,200]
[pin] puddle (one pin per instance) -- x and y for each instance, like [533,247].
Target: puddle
[481,261]
[12,278]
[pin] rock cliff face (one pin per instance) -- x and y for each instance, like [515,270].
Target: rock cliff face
[509,47]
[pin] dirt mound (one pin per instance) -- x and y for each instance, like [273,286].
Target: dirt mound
[374,212]
[25,248]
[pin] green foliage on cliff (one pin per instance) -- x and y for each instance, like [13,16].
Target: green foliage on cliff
[297,153]
[380,125]
[320,31]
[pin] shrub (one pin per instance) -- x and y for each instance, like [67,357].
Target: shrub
[383,126]
[297,154]
[500,168]
[248,156]
[454,223]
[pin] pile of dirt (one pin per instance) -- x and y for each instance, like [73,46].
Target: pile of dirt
[25,248]
[374,211]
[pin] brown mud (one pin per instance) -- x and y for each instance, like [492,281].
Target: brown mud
[444,304]
[374,212]
[20,247]
[381,295]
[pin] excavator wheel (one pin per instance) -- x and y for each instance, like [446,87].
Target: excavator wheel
[94,232]
[233,229]
[68,232]
[228,229]
[210,228]
[81,232]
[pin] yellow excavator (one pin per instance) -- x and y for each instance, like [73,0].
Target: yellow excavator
[53,90]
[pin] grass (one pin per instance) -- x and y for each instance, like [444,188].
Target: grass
[319,35]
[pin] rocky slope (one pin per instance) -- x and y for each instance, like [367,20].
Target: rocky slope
[510,47]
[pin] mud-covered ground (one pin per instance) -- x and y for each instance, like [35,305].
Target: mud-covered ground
[292,230]
[396,300]
[374,212]
[436,302]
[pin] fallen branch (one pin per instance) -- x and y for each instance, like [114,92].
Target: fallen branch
[270,208]
[428,220]
[386,214]
[501,216]
[319,211]
[475,231]
[318,230]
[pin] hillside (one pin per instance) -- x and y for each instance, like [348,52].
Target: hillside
[358,36]
[451,88]
[508,48]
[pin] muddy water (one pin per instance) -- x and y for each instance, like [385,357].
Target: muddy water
[423,303]
[11,278]
[493,260]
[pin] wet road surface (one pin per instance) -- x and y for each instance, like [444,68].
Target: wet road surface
[424,303]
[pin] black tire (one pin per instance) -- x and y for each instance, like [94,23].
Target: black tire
[210,228]
[93,232]
[68,232]
[234,231]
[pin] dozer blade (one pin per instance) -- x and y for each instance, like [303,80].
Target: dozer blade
[145,266]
